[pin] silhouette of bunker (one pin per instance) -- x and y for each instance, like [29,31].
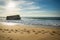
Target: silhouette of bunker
[13,17]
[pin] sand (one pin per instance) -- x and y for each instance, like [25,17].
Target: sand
[27,32]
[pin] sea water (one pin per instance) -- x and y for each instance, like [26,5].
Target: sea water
[36,21]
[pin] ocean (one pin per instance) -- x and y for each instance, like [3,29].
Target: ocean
[46,21]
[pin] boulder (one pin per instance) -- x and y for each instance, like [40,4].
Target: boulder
[13,17]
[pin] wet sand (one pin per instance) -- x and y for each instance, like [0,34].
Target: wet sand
[26,32]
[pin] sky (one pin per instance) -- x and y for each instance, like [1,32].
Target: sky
[30,8]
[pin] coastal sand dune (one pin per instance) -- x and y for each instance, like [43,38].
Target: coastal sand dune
[25,32]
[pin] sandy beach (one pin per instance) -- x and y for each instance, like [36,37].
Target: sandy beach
[27,32]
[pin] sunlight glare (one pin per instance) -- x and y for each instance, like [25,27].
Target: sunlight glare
[11,5]
[9,24]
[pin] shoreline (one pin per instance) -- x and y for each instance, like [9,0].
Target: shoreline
[44,26]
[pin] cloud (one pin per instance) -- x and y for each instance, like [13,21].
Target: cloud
[40,14]
[2,10]
[25,5]
[2,3]
[28,8]
[21,6]
[32,8]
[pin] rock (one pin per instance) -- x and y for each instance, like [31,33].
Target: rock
[13,17]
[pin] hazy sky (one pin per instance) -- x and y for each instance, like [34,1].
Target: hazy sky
[33,8]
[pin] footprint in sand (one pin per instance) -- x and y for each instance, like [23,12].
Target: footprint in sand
[43,30]
[58,34]
[6,29]
[16,31]
[36,33]
[3,37]
[8,37]
[55,32]
[9,31]
[11,39]
[28,31]
[39,31]
[33,30]
[3,31]
[0,29]
[51,33]
[12,30]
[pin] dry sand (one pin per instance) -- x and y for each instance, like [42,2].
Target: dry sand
[26,32]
